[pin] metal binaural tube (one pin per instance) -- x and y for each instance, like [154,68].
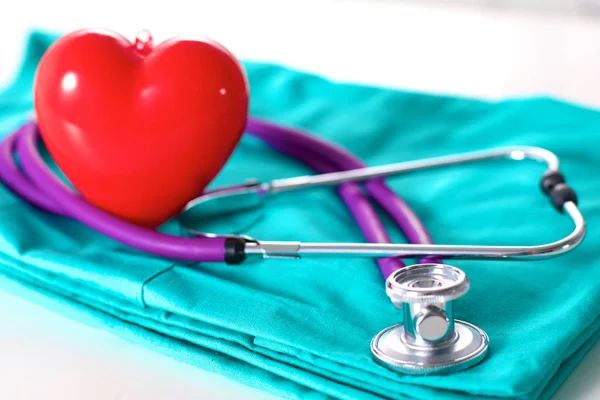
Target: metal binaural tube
[514,153]
[563,198]
[535,252]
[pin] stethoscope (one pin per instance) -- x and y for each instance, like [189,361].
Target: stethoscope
[429,339]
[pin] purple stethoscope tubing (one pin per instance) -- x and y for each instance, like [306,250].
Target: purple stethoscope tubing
[38,185]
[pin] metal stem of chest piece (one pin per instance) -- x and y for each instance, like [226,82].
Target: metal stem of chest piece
[255,194]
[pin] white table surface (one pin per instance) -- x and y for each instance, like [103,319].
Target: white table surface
[487,53]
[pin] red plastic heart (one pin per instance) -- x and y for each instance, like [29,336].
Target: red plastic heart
[139,130]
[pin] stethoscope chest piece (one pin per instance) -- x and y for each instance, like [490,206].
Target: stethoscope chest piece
[429,340]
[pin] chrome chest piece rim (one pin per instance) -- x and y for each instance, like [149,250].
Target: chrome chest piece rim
[429,340]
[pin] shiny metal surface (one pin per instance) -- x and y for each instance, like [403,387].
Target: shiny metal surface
[249,195]
[246,194]
[429,340]
[426,283]
[432,324]
[514,153]
[226,201]
[425,323]
[424,293]
[259,248]
[463,351]
[237,203]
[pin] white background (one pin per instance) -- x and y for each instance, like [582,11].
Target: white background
[488,53]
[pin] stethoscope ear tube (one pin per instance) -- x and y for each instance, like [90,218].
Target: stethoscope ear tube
[562,197]
[255,248]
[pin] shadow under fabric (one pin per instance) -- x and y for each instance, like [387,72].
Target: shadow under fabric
[301,329]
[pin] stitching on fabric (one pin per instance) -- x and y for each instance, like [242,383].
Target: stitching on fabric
[142,300]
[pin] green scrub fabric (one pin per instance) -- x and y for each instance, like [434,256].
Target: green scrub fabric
[302,328]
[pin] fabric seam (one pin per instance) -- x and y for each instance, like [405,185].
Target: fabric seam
[150,278]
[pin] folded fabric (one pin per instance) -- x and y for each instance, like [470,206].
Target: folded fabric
[301,328]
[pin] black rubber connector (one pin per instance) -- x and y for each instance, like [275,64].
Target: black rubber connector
[235,251]
[560,194]
[550,180]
